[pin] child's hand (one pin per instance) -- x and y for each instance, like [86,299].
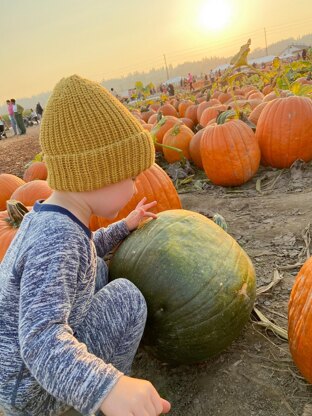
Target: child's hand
[135,397]
[141,211]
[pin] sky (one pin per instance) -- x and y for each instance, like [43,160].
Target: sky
[45,40]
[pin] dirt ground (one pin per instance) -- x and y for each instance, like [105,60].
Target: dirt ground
[270,218]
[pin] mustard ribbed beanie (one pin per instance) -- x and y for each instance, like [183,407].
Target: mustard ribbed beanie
[89,139]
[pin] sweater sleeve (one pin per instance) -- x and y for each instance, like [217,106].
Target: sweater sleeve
[59,362]
[105,239]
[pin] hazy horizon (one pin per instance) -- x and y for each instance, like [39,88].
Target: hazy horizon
[104,39]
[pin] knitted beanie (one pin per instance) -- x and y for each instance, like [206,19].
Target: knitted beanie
[89,139]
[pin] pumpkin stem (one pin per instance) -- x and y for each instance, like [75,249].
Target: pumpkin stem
[16,211]
[176,129]
[159,116]
[225,116]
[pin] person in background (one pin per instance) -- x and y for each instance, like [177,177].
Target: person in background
[11,116]
[2,129]
[170,89]
[304,54]
[190,81]
[39,111]
[34,116]
[18,114]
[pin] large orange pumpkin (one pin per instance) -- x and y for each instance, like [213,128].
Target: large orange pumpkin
[30,192]
[8,184]
[10,220]
[179,136]
[230,153]
[284,131]
[300,320]
[154,184]
[37,170]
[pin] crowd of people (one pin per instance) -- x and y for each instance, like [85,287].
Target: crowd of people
[16,119]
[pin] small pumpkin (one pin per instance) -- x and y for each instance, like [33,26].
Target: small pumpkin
[210,113]
[37,170]
[198,283]
[179,136]
[182,107]
[8,184]
[168,110]
[31,192]
[159,129]
[10,221]
[154,184]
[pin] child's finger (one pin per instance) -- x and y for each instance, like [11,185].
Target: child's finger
[150,214]
[149,205]
[141,202]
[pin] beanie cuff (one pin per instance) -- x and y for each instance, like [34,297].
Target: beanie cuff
[96,168]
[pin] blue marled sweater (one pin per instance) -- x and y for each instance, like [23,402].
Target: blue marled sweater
[47,282]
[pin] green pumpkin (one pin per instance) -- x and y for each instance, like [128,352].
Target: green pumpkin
[198,283]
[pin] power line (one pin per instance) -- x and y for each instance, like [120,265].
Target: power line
[217,46]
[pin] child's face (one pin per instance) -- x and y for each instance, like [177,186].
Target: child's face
[108,201]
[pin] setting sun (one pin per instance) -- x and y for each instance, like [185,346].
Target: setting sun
[214,15]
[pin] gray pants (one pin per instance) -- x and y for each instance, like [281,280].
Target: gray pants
[112,331]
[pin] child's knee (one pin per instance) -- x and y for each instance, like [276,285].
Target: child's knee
[132,296]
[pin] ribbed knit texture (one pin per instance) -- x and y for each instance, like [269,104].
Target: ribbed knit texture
[89,139]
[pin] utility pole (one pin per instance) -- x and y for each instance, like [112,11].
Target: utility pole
[266,43]
[166,67]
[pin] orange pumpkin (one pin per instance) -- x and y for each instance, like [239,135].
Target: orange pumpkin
[188,122]
[8,184]
[152,119]
[270,96]
[195,149]
[191,112]
[206,104]
[300,322]
[183,105]
[210,113]
[284,131]
[255,114]
[267,89]
[145,115]
[10,221]
[168,110]
[30,192]
[37,170]
[179,136]
[159,129]
[224,97]
[230,153]
[154,184]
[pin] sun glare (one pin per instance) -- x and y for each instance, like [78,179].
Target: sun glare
[214,15]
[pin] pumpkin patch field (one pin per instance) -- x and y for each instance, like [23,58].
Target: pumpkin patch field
[262,192]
